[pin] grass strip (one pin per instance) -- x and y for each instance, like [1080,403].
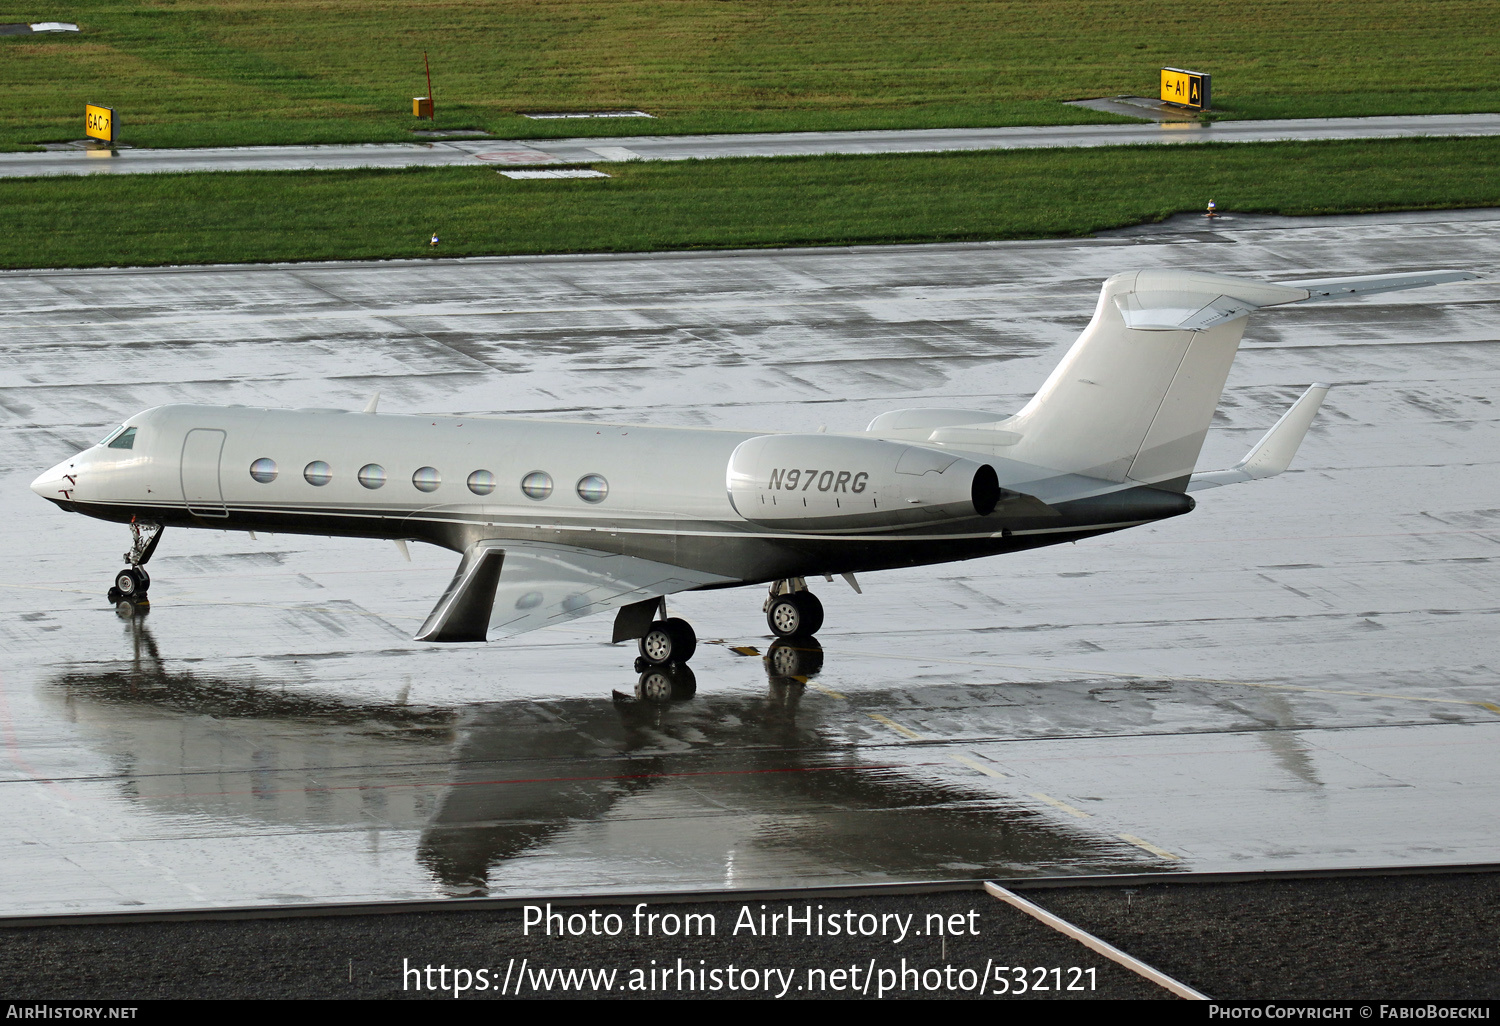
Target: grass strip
[235,217]
[225,72]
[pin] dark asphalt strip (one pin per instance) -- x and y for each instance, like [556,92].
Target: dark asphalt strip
[1392,937]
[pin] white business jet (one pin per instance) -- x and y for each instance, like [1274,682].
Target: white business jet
[558,520]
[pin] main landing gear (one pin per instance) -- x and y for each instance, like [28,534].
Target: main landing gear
[132,583]
[667,641]
[792,611]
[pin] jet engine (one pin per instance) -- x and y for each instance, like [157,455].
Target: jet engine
[838,483]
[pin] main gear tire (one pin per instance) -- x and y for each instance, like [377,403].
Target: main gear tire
[798,614]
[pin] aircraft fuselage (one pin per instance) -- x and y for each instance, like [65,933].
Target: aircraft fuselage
[651,492]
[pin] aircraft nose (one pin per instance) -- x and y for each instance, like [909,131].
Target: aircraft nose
[56,484]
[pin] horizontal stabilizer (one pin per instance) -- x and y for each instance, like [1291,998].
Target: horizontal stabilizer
[1370,284]
[1195,300]
[1274,452]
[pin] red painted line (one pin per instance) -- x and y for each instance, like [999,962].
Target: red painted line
[13,748]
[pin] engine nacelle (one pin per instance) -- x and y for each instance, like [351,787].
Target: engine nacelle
[837,483]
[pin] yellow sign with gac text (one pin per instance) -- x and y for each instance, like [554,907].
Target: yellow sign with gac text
[99,122]
[1185,88]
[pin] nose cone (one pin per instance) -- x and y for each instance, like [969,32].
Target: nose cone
[57,484]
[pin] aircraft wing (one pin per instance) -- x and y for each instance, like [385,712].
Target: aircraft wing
[1274,452]
[511,587]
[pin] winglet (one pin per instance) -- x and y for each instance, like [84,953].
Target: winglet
[374,402]
[1274,452]
[463,613]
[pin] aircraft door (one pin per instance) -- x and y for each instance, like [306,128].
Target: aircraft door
[200,473]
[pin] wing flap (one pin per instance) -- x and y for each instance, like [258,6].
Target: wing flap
[543,584]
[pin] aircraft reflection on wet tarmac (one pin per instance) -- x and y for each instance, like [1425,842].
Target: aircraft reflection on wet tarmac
[491,783]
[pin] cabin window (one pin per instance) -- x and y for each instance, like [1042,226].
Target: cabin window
[372,475]
[427,479]
[125,439]
[593,488]
[263,470]
[481,482]
[537,485]
[317,473]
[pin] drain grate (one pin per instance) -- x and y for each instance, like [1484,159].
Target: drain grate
[555,174]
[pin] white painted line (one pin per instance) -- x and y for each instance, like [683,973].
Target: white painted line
[1088,940]
[1148,846]
[592,114]
[555,174]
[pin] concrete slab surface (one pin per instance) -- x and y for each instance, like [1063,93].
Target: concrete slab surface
[1301,673]
[501,152]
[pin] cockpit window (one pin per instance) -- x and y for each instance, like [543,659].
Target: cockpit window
[114,433]
[124,440]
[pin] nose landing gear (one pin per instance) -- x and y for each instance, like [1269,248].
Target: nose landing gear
[132,583]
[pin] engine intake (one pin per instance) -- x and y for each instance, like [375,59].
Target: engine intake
[837,483]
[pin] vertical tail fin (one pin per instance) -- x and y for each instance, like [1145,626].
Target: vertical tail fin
[1133,398]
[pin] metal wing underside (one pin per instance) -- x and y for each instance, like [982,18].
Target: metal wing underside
[524,586]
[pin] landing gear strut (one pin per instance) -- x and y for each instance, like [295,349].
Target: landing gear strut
[132,583]
[792,611]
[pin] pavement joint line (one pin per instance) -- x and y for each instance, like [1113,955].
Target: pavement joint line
[1068,808]
[1148,846]
[1128,675]
[898,728]
[1093,943]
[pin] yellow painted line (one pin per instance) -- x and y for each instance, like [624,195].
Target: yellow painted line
[1148,846]
[1088,940]
[827,691]
[895,726]
[1063,805]
[975,764]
